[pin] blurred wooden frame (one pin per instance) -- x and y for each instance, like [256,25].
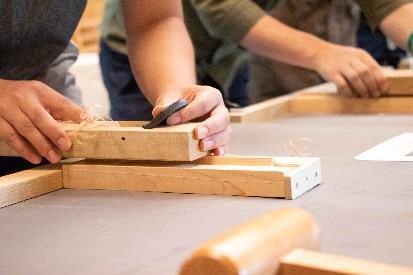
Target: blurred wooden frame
[87,33]
[323,99]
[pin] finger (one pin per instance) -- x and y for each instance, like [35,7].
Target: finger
[59,106]
[217,122]
[219,151]
[24,126]
[343,87]
[367,77]
[357,85]
[216,140]
[19,144]
[50,128]
[376,71]
[203,103]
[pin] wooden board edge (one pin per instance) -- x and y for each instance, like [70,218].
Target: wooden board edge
[27,184]
[303,179]
[306,262]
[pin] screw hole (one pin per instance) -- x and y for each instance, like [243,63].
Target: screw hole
[123,138]
[316,174]
[296,185]
[306,178]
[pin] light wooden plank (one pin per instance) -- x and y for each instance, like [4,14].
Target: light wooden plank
[28,184]
[240,179]
[306,262]
[104,141]
[263,111]
[327,103]
[255,247]
[400,82]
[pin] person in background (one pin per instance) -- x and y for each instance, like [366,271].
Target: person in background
[37,90]
[226,32]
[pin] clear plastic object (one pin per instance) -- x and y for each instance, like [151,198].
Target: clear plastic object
[300,147]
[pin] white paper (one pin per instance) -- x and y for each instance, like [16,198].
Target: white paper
[399,148]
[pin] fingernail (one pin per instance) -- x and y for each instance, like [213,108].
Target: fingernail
[202,132]
[208,144]
[53,157]
[64,144]
[174,120]
[35,159]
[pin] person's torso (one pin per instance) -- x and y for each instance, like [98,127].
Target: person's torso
[33,33]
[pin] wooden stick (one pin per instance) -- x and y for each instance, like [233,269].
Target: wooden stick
[263,111]
[290,179]
[306,262]
[256,246]
[327,103]
[28,184]
[104,141]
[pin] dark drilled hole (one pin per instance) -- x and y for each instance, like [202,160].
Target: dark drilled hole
[123,138]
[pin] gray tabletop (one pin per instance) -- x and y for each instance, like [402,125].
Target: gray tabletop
[365,209]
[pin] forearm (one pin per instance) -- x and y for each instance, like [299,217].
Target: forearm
[277,41]
[160,50]
[399,25]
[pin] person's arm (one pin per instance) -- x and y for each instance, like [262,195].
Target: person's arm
[162,58]
[398,25]
[28,114]
[353,70]
[242,21]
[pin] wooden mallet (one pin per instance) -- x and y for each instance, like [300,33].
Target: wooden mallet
[281,242]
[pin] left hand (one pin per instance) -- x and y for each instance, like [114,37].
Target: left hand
[213,132]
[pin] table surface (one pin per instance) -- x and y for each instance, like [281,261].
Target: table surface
[365,209]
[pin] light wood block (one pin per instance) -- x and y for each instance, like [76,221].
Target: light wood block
[289,178]
[100,141]
[307,262]
[28,184]
[400,82]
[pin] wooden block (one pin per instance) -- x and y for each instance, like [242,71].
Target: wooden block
[328,103]
[100,141]
[28,184]
[400,82]
[289,179]
[306,262]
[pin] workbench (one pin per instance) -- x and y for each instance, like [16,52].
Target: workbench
[365,209]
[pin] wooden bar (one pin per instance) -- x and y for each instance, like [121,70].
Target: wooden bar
[307,262]
[289,179]
[327,103]
[263,111]
[400,82]
[28,184]
[102,140]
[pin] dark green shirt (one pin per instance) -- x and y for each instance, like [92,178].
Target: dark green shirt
[217,26]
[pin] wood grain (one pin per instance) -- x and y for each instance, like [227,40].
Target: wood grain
[104,141]
[328,103]
[28,184]
[240,178]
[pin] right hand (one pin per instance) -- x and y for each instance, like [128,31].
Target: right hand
[353,70]
[28,114]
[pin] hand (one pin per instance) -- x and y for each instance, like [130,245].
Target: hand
[214,132]
[28,113]
[353,70]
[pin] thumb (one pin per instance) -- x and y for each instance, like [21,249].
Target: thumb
[158,108]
